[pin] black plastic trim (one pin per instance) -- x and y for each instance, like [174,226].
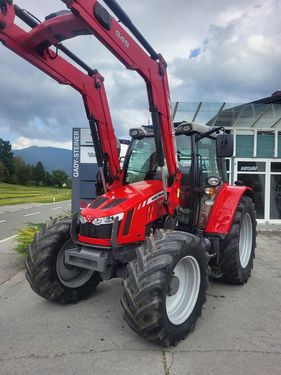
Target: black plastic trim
[128,222]
[98,202]
[102,16]
[114,203]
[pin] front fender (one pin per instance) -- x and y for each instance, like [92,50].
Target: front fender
[225,207]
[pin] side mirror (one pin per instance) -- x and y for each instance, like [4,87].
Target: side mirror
[224,145]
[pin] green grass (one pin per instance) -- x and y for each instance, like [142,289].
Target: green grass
[25,237]
[15,194]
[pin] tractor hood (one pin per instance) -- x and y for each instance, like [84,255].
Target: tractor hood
[138,194]
[133,206]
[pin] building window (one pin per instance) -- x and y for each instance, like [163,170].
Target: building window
[265,145]
[279,145]
[244,145]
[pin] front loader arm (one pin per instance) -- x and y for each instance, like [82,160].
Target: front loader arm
[90,17]
[90,85]
[152,68]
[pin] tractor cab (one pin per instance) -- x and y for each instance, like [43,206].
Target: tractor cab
[203,170]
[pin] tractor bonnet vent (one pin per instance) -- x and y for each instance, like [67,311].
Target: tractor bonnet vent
[114,203]
[98,202]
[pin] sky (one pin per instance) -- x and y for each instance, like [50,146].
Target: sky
[217,51]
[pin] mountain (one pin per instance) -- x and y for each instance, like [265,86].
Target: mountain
[51,157]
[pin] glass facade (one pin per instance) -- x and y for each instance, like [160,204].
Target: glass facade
[265,145]
[257,131]
[275,197]
[279,145]
[244,145]
[257,183]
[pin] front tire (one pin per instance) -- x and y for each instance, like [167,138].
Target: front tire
[238,248]
[46,271]
[166,286]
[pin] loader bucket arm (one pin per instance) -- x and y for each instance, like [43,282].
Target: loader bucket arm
[88,84]
[138,56]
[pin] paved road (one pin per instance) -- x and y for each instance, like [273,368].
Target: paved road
[239,331]
[12,218]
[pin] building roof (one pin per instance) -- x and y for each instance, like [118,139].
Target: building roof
[263,114]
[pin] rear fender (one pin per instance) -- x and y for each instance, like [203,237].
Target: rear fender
[225,207]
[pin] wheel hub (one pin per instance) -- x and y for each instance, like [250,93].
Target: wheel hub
[71,276]
[183,290]
[174,286]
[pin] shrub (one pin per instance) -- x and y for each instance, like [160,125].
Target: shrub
[25,237]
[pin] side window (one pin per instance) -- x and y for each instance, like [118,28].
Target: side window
[207,158]
[184,152]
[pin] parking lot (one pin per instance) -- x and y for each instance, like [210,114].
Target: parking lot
[239,331]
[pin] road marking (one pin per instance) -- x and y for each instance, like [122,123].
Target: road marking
[27,208]
[33,213]
[56,208]
[9,238]
[14,210]
[3,221]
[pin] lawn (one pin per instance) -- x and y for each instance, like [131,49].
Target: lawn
[14,194]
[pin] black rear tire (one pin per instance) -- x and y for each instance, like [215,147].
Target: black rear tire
[235,264]
[42,265]
[149,282]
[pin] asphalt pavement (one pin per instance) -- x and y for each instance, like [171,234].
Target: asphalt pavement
[14,217]
[239,331]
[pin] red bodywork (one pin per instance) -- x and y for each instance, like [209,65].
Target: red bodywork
[144,198]
[224,209]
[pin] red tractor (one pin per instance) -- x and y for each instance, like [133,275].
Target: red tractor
[166,220]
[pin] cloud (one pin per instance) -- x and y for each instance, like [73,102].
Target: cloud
[216,51]
[23,142]
[240,62]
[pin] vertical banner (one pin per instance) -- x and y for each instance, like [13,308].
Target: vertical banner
[76,136]
[84,168]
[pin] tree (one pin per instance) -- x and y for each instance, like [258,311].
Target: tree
[60,177]
[2,171]
[39,173]
[49,179]
[6,157]
[23,171]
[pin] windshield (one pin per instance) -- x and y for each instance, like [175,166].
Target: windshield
[142,160]
[142,164]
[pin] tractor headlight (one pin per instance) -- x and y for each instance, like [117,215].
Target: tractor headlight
[107,219]
[82,219]
[211,191]
[213,181]
[184,128]
[137,133]
[209,202]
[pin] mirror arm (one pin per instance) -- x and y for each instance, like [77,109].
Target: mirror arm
[204,135]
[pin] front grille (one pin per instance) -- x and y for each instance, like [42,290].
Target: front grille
[96,231]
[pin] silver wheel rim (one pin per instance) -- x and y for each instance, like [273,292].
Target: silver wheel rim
[245,240]
[180,305]
[71,276]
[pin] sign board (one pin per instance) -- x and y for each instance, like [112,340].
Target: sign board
[251,166]
[84,167]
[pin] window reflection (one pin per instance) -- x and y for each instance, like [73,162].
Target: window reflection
[275,197]
[257,183]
